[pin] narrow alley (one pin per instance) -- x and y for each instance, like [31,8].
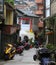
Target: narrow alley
[24,26]
[25,59]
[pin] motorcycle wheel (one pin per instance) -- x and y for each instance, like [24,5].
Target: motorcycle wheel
[6,57]
[27,47]
[21,52]
[12,57]
[34,57]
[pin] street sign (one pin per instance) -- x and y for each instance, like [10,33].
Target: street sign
[1,6]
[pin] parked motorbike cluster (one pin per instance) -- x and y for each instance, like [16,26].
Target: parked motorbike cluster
[11,49]
[45,56]
[22,45]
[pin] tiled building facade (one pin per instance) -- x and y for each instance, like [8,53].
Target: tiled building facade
[40,7]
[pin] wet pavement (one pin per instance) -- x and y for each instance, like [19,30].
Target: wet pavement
[25,59]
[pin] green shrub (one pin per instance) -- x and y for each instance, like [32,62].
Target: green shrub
[10,1]
[51,46]
[31,42]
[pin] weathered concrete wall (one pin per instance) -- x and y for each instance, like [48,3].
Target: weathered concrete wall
[53,8]
[34,24]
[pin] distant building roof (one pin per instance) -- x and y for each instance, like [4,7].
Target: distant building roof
[27,13]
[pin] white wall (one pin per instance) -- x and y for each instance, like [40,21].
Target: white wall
[47,8]
[47,3]
[25,27]
[47,12]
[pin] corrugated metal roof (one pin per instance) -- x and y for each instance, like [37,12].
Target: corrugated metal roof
[27,13]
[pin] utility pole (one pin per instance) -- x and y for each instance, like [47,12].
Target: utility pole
[44,14]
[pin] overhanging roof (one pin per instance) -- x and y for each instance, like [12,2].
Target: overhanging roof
[27,13]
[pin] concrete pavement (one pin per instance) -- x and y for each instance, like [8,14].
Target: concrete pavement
[25,59]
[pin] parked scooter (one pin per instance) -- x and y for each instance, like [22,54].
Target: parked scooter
[44,55]
[26,46]
[19,49]
[19,46]
[9,52]
[25,43]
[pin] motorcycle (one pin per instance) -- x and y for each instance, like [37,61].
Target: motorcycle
[25,43]
[9,52]
[27,46]
[19,49]
[44,55]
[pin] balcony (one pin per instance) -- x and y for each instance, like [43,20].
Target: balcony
[39,1]
[41,7]
[39,12]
